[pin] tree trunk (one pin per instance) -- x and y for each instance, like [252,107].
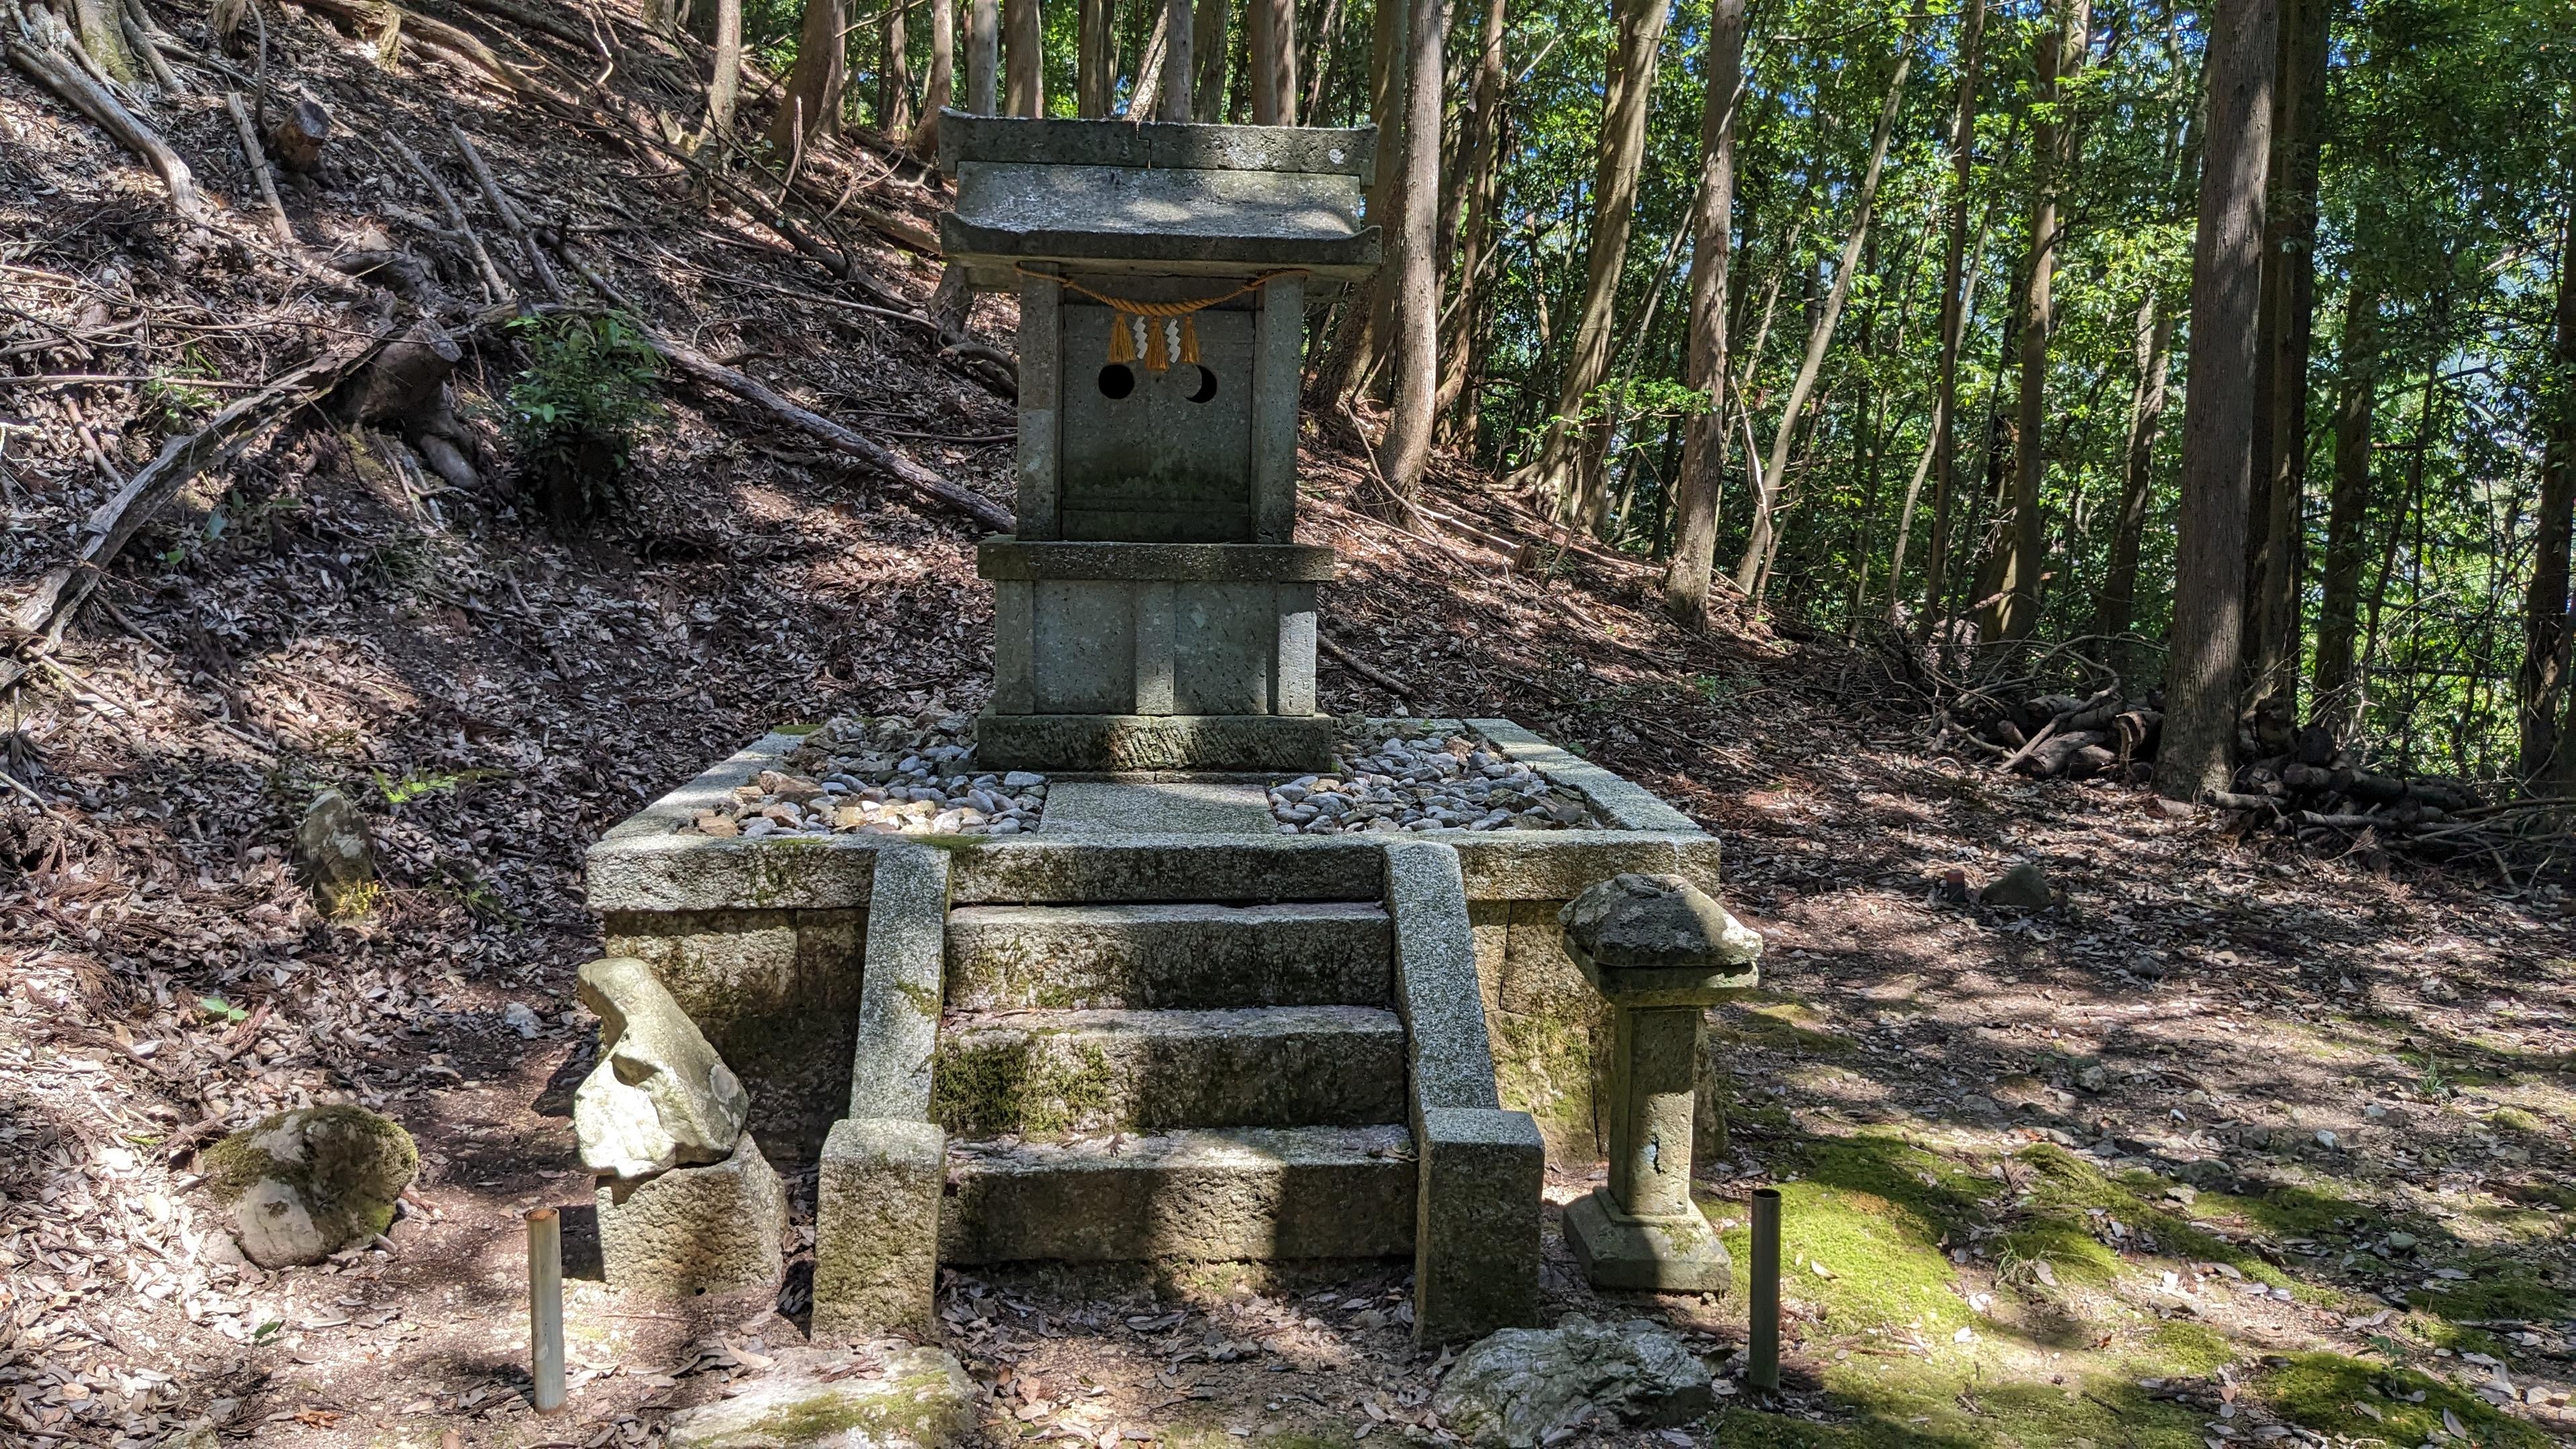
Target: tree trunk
[2115,609]
[1954,319]
[2061,57]
[1363,329]
[1208,45]
[725,87]
[894,76]
[1482,177]
[2347,509]
[983,56]
[1558,468]
[1703,470]
[1024,51]
[1752,569]
[937,89]
[1093,72]
[102,38]
[1416,318]
[2543,682]
[2276,537]
[1180,35]
[1272,40]
[2199,747]
[812,104]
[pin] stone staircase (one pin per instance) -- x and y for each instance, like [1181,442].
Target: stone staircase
[1231,1077]
[1237,1049]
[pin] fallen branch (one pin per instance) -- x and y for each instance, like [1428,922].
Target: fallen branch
[498,285]
[460,48]
[47,68]
[1403,692]
[511,221]
[258,160]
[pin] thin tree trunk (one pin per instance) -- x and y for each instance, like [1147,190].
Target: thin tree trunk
[2015,611]
[1180,33]
[725,86]
[1363,329]
[1483,178]
[1954,319]
[1557,470]
[983,56]
[1416,281]
[2347,509]
[2276,538]
[894,76]
[1093,74]
[1024,50]
[2542,692]
[1272,38]
[812,105]
[1751,569]
[1208,46]
[2199,747]
[1942,404]
[937,90]
[1145,94]
[2115,608]
[1328,38]
[1705,361]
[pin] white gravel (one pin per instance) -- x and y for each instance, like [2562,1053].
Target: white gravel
[887,776]
[1423,781]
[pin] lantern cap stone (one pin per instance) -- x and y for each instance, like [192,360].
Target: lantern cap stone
[1658,941]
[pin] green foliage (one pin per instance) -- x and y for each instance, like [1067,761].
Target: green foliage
[578,409]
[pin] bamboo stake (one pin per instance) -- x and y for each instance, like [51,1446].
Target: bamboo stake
[545,1308]
[1763,1352]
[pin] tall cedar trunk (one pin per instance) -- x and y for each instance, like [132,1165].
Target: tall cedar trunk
[1751,571]
[1180,36]
[1356,342]
[1024,52]
[1558,468]
[812,104]
[1703,471]
[1210,53]
[724,87]
[1415,319]
[2015,611]
[983,56]
[1327,43]
[2347,508]
[2199,747]
[894,75]
[937,88]
[2275,537]
[2115,608]
[1272,38]
[2543,683]
[1954,319]
[1483,192]
[1145,90]
[1093,73]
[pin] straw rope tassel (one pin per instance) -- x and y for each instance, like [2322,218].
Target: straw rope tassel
[1161,333]
[1122,343]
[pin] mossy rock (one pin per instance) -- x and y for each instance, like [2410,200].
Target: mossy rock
[304,1184]
[924,1401]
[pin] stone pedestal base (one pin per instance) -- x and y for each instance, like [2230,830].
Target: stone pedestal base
[1105,743]
[1679,1254]
[695,1230]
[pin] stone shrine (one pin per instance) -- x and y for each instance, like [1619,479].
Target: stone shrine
[1154,610]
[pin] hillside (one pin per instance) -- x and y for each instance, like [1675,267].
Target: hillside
[2305,1054]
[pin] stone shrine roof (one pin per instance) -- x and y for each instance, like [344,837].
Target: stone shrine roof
[1156,196]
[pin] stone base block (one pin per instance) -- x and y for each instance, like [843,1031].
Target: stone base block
[876,1227]
[1476,1247]
[695,1230]
[1650,1255]
[1120,742]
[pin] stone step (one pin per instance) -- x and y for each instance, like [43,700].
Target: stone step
[1075,868]
[1230,1194]
[1054,1074]
[1321,953]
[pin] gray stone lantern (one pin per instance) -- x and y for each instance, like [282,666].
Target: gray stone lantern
[1662,952]
[1153,610]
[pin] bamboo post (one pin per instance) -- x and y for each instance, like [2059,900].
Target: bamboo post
[983,54]
[545,1308]
[1763,1352]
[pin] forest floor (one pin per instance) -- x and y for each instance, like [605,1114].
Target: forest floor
[2232,1143]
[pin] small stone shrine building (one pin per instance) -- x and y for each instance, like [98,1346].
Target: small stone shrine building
[1154,610]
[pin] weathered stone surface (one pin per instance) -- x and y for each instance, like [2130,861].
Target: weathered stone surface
[1239,1193]
[1436,990]
[775,992]
[1549,1028]
[1558,865]
[660,1096]
[923,1400]
[1515,1388]
[1008,557]
[333,851]
[305,1184]
[1050,1073]
[1677,1253]
[876,1230]
[1476,1239]
[1628,805]
[1083,868]
[1113,742]
[2022,888]
[695,1230]
[890,1074]
[1158,144]
[1658,940]
[1168,956]
[1155,807]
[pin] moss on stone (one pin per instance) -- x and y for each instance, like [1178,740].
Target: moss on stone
[1025,1084]
[348,1165]
[2497,1287]
[2326,1392]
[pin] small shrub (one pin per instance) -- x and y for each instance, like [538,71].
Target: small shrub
[577,411]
